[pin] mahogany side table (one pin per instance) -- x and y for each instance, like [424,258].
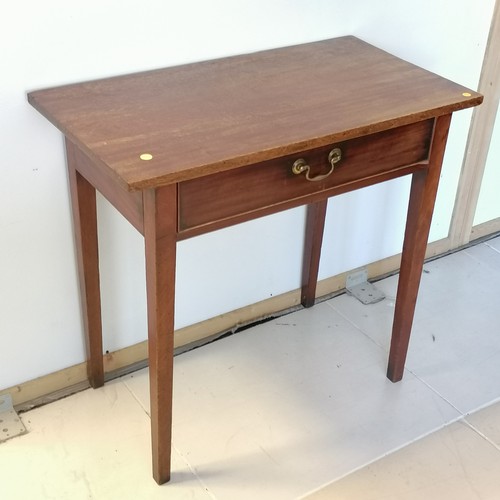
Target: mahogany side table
[186,150]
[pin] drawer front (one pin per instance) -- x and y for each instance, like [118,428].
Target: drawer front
[244,190]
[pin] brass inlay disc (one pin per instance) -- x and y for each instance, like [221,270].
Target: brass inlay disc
[466,94]
[146,156]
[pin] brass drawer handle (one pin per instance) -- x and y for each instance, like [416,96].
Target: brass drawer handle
[300,165]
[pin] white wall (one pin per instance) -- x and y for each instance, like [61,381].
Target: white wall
[488,205]
[54,42]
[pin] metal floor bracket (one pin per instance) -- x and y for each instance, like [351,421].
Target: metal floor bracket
[10,423]
[357,285]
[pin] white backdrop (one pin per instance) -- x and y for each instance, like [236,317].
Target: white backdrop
[55,42]
[488,205]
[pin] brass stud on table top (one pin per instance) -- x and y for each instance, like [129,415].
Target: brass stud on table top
[146,156]
[466,94]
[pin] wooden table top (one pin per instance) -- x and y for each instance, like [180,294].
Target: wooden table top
[217,115]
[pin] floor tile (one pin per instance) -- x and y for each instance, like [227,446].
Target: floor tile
[487,422]
[488,254]
[454,347]
[279,410]
[92,445]
[494,243]
[453,463]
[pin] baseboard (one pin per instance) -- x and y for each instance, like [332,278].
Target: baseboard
[485,229]
[69,380]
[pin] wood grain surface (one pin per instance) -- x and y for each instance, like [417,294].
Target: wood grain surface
[217,115]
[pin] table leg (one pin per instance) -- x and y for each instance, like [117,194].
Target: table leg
[83,198]
[160,217]
[422,197]
[315,223]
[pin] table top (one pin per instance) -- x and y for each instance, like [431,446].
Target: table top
[216,115]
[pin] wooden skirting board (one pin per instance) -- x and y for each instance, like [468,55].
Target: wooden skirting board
[59,384]
[485,229]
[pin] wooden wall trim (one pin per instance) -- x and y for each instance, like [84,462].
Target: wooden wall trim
[485,229]
[483,121]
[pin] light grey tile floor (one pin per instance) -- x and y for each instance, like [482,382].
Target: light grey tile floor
[298,407]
